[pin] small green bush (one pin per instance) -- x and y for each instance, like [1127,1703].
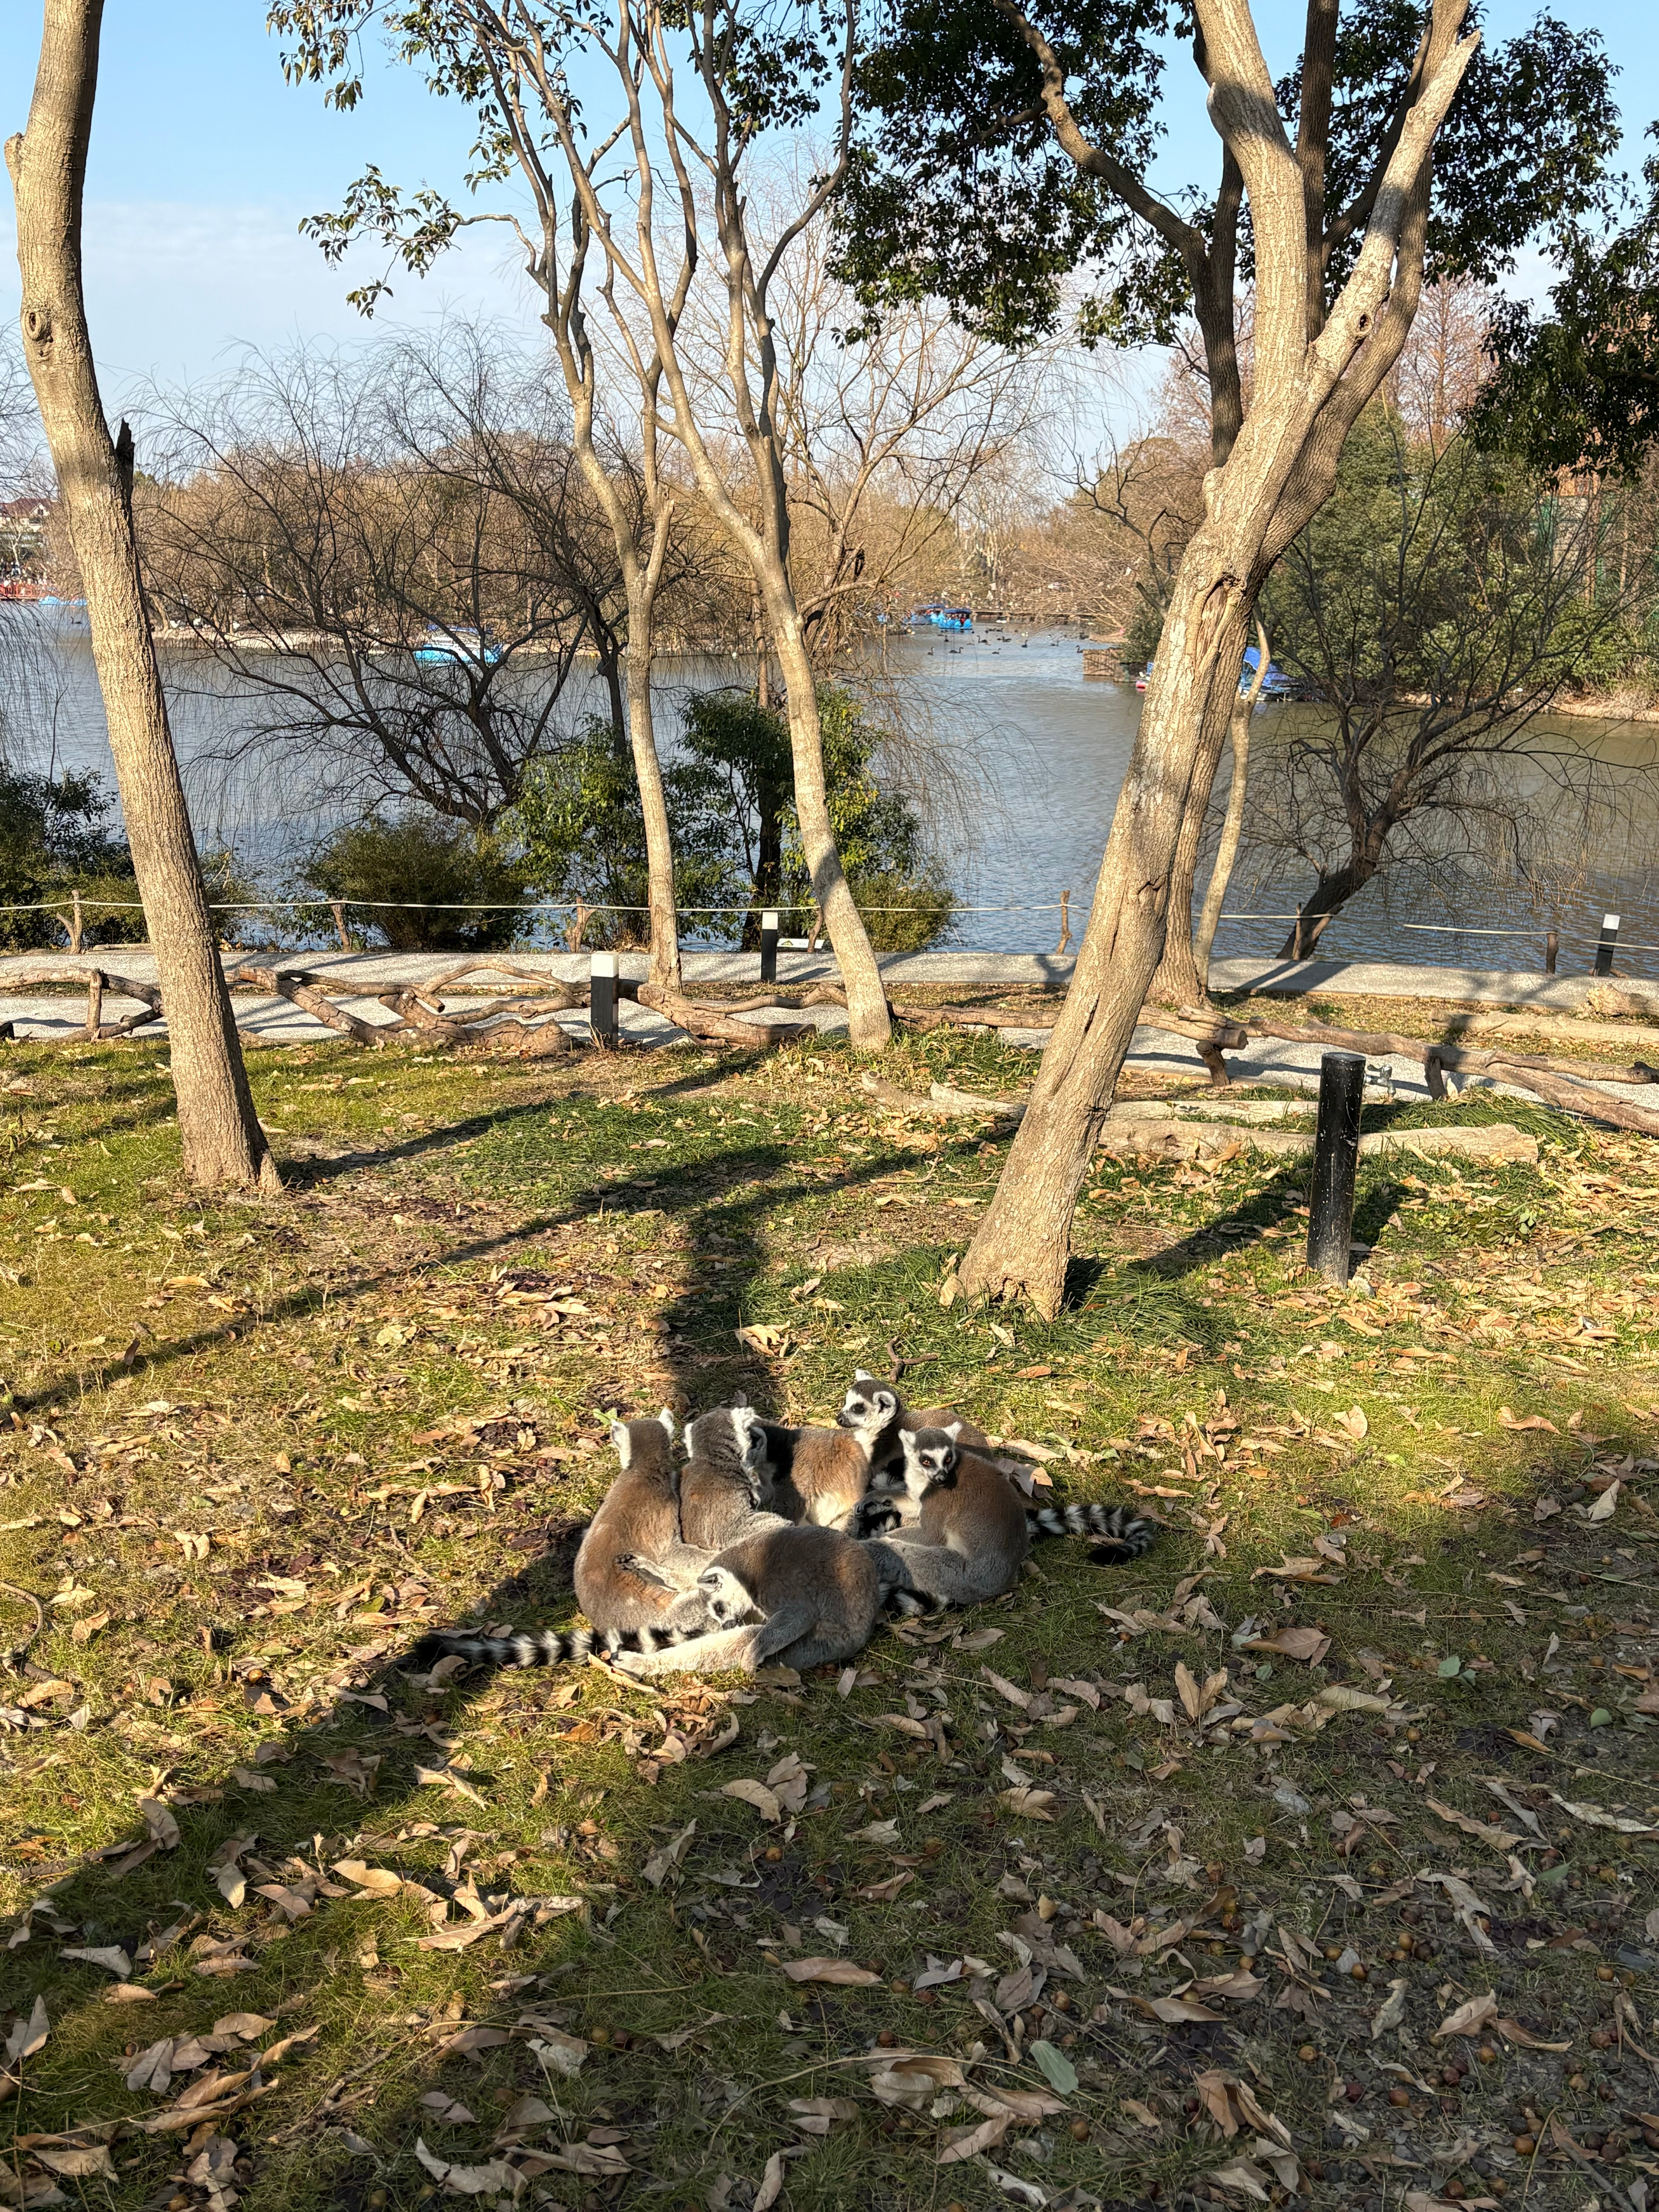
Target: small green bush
[412,878]
[55,840]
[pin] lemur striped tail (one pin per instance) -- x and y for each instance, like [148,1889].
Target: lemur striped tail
[1114,1525]
[537,1647]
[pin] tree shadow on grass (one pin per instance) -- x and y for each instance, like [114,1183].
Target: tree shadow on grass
[355,1782]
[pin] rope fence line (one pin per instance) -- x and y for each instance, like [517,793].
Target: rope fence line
[582,907]
[753,906]
[490,906]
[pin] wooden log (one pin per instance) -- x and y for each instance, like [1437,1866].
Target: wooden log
[148,996]
[94,1003]
[714,1022]
[413,1011]
[1578,1098]
[1462,1059]
[301,990]
[943,1101]
[964,1017]
[564,996]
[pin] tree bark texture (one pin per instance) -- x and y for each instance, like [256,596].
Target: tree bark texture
[1232,828]
[1179,981]
[1308,391]
[869,1024]
[654,804]
[223,1144]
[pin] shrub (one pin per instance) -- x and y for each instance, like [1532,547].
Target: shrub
[411,878]
[55,839]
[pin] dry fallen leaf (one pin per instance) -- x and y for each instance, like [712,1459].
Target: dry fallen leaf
[829,1970]
[1507,1419]
[161,1823]
[771,2182]
[1500,1839]
[756,1793]
[1029,1804]
[660,1864]
[815,2116]
[110,1956]
[1308,1644]
[1512,2032]
[379,1881]
[986,2135]
[1475,2013]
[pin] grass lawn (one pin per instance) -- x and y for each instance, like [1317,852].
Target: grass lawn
[1148,1886]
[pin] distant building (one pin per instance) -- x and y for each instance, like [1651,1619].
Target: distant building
[24,526]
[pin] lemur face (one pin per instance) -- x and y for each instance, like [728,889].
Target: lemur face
[726,1598]
[868,1406]
[930,1458]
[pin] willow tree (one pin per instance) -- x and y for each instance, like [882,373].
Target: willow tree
[645,170]
[222,1143]
[1010,143]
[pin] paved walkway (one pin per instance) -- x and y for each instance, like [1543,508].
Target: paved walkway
[356,980]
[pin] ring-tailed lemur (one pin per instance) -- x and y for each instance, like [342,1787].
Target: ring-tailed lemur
[821,1475]
[816,1594]
[876,1409]
[633,1571]
[725,1486]
[963,1530]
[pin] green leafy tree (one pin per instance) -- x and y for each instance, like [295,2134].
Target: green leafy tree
[579,828]
[55,840]
[423,883]
[1579,388]
[737,842]
[1008,144]
[1437,607]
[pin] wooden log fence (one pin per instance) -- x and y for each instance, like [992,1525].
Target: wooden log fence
[524,1021]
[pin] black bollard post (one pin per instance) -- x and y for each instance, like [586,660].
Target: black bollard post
[1336,1157]
[1608,945]
[602,997]
[769,947]
[1552,947]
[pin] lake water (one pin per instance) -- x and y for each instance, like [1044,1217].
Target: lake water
[1038,752]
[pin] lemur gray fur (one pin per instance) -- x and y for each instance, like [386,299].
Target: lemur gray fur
[964,1531]
[962,1535]
[875,1409]
[725,1486]
[1118,1531]
[816,1592]
[633,1569]
[821,1475]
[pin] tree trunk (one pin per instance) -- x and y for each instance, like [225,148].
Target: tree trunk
[1179,978]
[653,805]
[223,1144]
[1331,895]
[1024,1241]
[869,1025]
[1226,852]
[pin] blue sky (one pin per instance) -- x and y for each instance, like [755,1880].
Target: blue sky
[203,160]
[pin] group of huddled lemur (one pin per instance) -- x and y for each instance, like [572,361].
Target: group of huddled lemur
[783,1544]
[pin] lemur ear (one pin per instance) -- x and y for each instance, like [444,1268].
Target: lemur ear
[690,1444]
[738,1399]
[862,1375]
[621,1443]
[667,1419]
[953,1429]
